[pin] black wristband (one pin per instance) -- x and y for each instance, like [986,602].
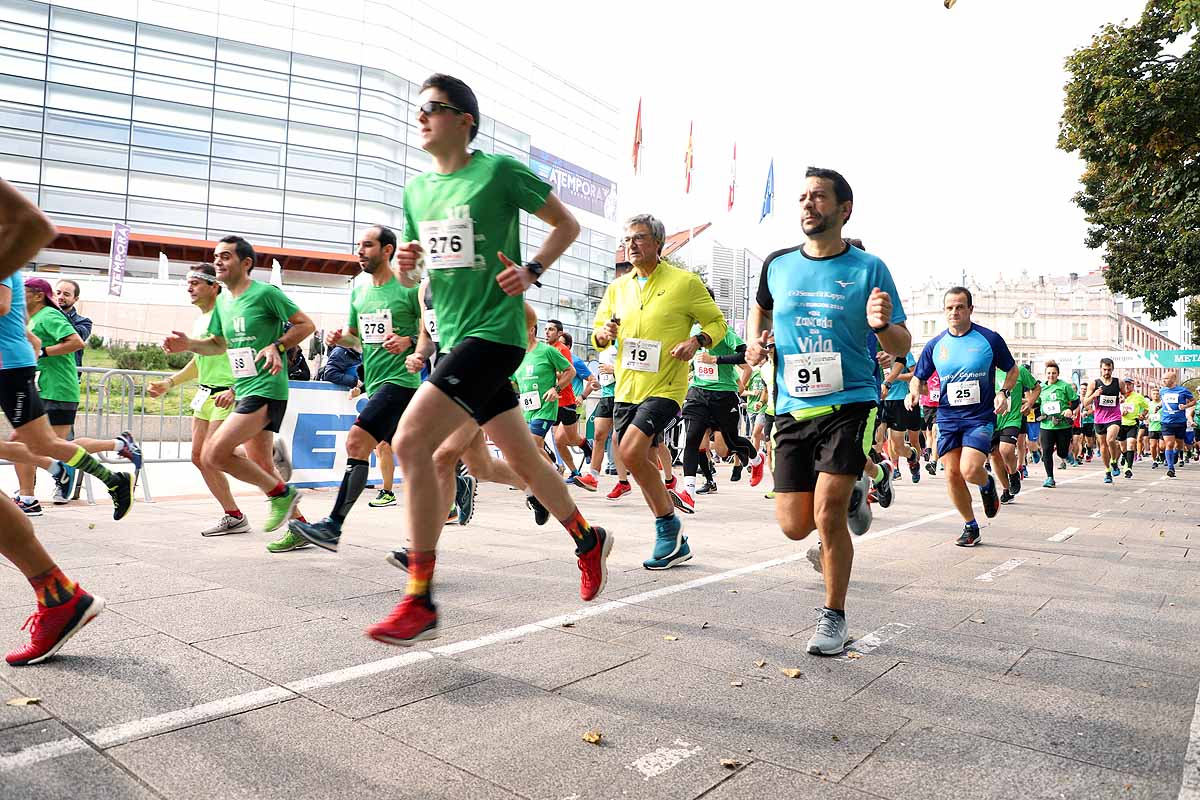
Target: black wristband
[886,325]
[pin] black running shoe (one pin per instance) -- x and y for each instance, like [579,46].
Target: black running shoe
[399,559]
[991,503]
[1006,497]
[709,487]
[540,514]
[736,474]
[969,537]
[122,494]
[465,487]
[1014,483]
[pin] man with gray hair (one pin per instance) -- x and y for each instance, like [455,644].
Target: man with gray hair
[649,313]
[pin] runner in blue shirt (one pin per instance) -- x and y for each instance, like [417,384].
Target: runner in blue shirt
[824,298]
[1176,400]
[965,357]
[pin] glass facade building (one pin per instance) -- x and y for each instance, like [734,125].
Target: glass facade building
[192,134]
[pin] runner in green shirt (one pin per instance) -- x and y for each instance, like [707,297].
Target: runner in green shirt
[462,223]
[541,375]
[1058,401]
[213,402]
[1156,435]
[1008,429]
[1134,408]
[247,326]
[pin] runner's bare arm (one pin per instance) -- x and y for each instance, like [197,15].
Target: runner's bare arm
[24,229]
[67,345]
[758,334]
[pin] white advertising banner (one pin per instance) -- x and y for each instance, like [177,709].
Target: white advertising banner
[319,417]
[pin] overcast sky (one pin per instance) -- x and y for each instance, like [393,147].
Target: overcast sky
[944,122]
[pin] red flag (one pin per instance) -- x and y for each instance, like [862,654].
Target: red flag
[732,178]
[637,138]
[687,161]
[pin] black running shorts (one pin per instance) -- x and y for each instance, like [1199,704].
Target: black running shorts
[477,374]
[19,396]
[652,417]
[836,443]
[384,408]
[275,410]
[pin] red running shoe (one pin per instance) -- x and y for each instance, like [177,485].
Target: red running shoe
[587,481]
[619,490]
[682,500]
[50,628]
[594,566]
[413,620]
[756,472]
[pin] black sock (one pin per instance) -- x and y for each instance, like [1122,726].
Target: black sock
[705,467]
[586,447]
[354,480]
[1048,463]
[841,612]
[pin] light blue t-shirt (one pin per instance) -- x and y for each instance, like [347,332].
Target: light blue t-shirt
[15,350]
[1173,402]
[826,355]
[898,390]
[966,365]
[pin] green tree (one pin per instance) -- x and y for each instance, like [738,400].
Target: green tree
[1132,113]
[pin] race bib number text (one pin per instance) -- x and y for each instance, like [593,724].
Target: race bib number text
[1108,401]
[963,393]
[241,361]
[641,355]
[448,243]
[812,374]
[531,401]
[1051,407]
[202,395]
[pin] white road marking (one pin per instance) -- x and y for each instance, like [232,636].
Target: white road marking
[876,638]
[1096,514]
[1063,535]
[1141,491]
[1124,499]
[134,730]
[1189,788]
[996,572]
[662,759]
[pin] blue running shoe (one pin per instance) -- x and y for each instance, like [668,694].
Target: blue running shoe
[670,545]
[324,534]
[129,450]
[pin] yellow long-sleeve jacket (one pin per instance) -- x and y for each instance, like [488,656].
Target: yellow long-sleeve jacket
[662,310]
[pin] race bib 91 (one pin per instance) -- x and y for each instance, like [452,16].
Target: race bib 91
[241,361]
[641,355]
[812,374]
[448,243]
[375,327]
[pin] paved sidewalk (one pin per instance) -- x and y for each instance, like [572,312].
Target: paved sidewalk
[1023,668]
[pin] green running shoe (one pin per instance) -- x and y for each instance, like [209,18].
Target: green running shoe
[280,509]
[289,541]
[383,499]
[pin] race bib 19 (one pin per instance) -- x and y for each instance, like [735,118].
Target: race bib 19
[812,374]
[963,393]
[448,243]
[375,327]
[241,361]
[531,401]
[641,355]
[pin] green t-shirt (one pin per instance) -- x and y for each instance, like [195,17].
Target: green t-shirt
[57,378]
[252,321]
[725,379]
[537,373]
[1057,397]
[1155,415]
[1025,383]
[1133,405]
[485,196]
[404,306]
[210,370]
[754,402]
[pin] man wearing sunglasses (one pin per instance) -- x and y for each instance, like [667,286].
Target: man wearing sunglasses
[461,224]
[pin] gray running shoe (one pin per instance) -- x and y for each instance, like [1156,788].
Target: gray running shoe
[465,487]
[228,524]
[883,489]
[281,459]
[831,635]
[814,557]
[860,514]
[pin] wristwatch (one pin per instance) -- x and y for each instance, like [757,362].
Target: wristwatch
[535,269]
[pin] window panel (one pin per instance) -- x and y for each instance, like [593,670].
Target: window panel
[92,204]
[368,213]
[156,229]
[374,100]
[511,137]
[375,123]
[418,159]
[240,149]
[487,126]
[266,105]
[81,176]
[323,92]
[248,173]
[163,137]
[20,143]
[186,165]
[109,29]
[170,187]
[82,151]
[383,81]
[317,205]
[320,160]
[244,221]
[255,80]
[380,192]
[380,170]
[91,51]
[320,114]
[504,149]
[169,212]
[177,91]
[177,66]
[21,90]
[324,69]
[86,126]
[77,98]
[21,37]
[324,247]
[380,147]
[250,55]
[174,41]
[319,183]
[24,65]
[253,197]
[252,127]
[321,229]
[25,12]
[19,168]
[325,138]
[25,118]
[91,76]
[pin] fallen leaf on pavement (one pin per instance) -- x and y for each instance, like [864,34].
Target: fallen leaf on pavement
[836,738]
[733,591]
[703,625]
[730,763]
[23,701]
[568,624]
[791,672]
[978,621]
[671,638]
[853,655]
[762,662]
[91,526]
[593,737]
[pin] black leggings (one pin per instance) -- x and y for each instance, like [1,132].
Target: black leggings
[738,444]
[1049,440]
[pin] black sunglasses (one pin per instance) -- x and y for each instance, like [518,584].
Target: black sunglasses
[433,106]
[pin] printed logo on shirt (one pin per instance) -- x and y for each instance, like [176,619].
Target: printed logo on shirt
[844,284]
[239,324]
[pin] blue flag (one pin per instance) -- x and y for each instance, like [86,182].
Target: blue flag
[769,193]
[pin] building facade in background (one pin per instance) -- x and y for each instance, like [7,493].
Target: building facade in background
[291,123]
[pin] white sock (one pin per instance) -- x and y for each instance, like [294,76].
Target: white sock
[754,462]
[117,443]
[595,473]
[25,498]
[689,483]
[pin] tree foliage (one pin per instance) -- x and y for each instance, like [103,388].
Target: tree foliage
[1132,113]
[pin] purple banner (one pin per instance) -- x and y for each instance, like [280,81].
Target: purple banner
[574,185]
[117,254]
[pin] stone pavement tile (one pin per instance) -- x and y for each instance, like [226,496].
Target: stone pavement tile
[71,555]
[300,650]
[293,750]
[530,741]
[967,651]
[1163,577]
[1179,615]
[1059,720]
[137,580]
[121,681]
[736,650]
[743,602]
[614,624]
[933,609]
[84,775]
[762,781]
[211,614]
[288,579]
[1110,614]
[924,761]
[366,697]
[550,659]
[109,626]
[782,721]
[969,595]
[12,716]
